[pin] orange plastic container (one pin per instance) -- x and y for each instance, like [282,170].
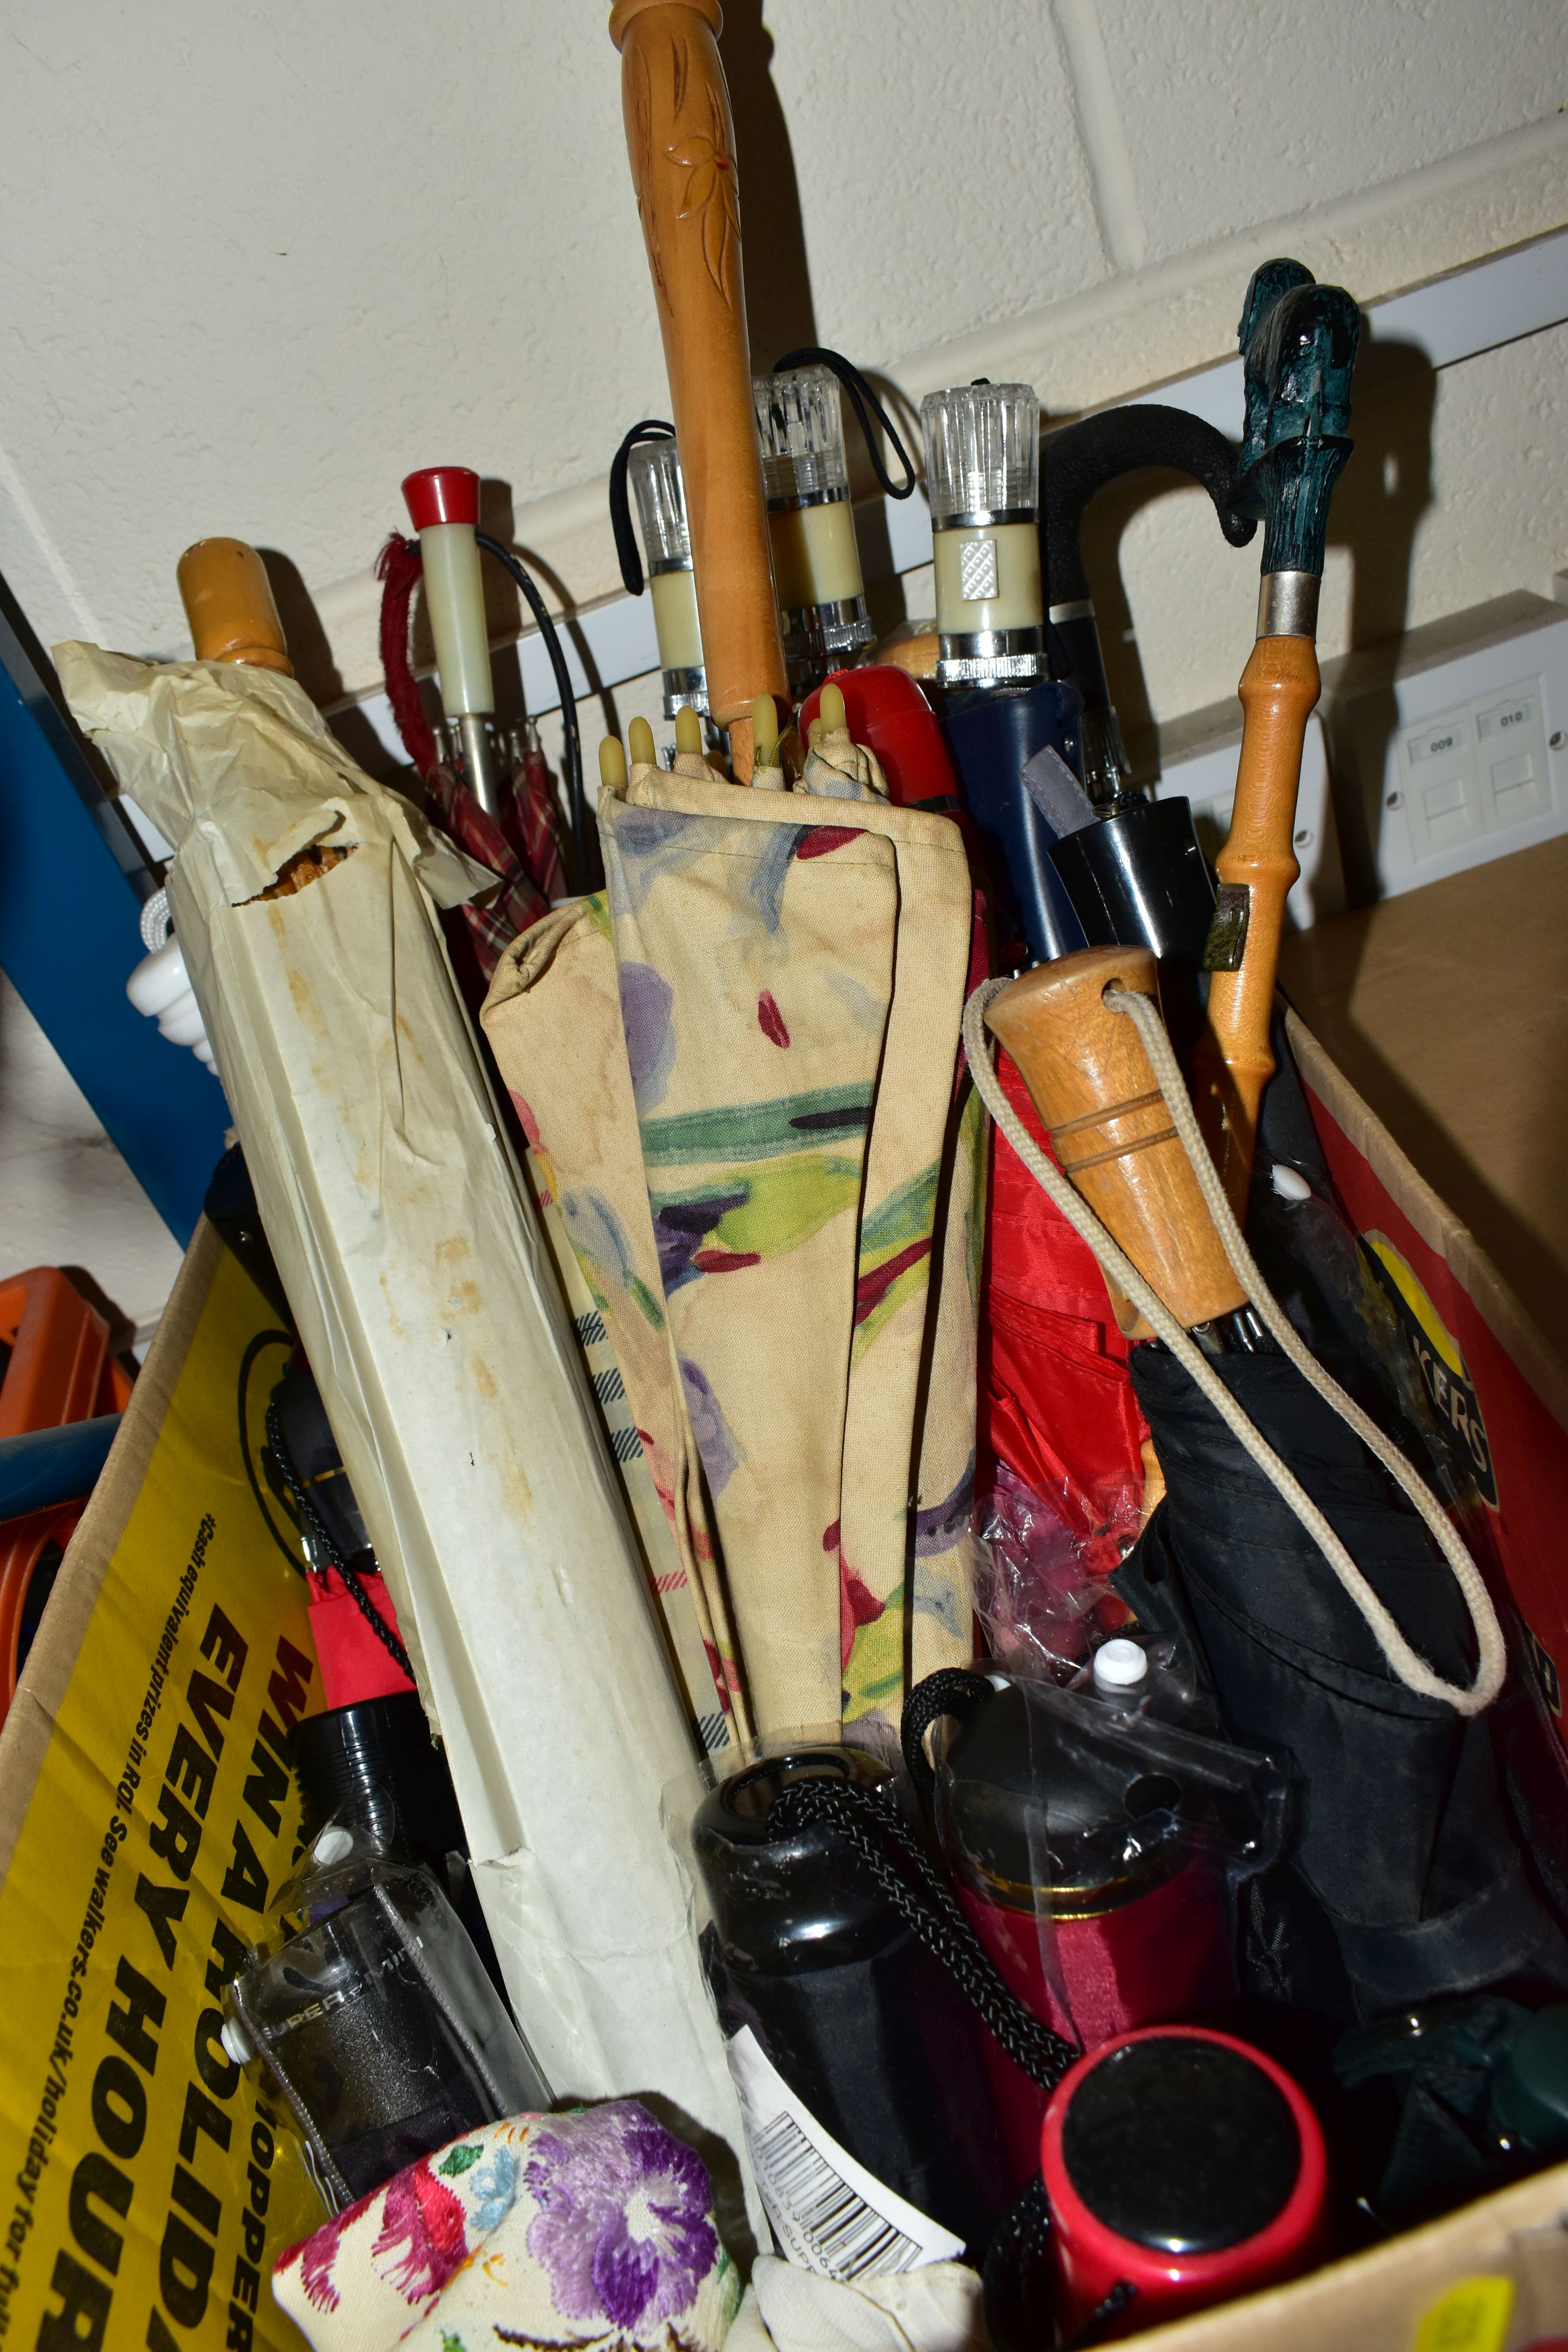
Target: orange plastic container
[59,1370]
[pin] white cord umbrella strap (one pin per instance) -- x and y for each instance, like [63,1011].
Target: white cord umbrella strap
[1405,1663]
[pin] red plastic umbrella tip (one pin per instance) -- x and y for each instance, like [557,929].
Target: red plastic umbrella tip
[442,494]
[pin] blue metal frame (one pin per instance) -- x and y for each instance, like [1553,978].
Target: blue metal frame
[73,879]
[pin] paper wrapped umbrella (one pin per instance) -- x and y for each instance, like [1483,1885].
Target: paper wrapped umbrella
[306,901]
[740,1064]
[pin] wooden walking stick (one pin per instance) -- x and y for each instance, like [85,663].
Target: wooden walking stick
[682,143]
[1298,345]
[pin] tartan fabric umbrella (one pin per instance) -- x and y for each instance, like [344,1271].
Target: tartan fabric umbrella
[525,845]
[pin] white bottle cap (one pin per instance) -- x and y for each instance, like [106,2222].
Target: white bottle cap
[236,2041]
[332,1846]
[1288,1182]
[1118,1666]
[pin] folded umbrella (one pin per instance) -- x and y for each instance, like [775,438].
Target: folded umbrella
[1299,346]
[681,143]
[1321,1602]
[305,898]
[767,1006]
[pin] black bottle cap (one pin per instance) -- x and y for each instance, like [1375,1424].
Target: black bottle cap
[1042,1808]
[804,1900]
[377,1760]
[1181,2144]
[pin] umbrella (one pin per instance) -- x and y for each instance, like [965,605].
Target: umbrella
[1344,1626]
[520,838]
[999,709]
[646,467]
[816,563]
[434,1324]
[1298,345]
[1076,464]
[771,1182]
[681,145]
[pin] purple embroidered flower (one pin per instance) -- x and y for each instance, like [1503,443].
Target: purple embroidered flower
[621,2226]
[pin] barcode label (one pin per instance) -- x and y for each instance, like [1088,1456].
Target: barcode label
[829,2214]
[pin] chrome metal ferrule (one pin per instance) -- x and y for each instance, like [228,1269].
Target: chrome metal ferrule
[984,518]
[684,690]
[1288,603]
[791,501]
[991,657]
[841,625]
[480,763]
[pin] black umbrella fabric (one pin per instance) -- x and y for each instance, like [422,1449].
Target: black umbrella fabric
[1343,1626]
[1401,1837]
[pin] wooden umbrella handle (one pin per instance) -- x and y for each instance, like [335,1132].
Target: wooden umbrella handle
[1090,1078]
[229,606]
[682,143]
[1233,1061]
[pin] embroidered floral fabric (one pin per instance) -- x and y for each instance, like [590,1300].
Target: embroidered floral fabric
[737,1069]
[594,2228]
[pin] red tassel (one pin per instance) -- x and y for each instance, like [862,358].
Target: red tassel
[399,566]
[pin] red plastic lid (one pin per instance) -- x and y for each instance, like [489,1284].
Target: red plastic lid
[887,711]
[442,494]
[1209,2153]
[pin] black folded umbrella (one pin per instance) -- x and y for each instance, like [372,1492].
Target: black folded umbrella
[1403,1847]
[1344,1626]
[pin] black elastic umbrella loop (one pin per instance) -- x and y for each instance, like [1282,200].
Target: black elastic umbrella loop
[652,428]
[861,397]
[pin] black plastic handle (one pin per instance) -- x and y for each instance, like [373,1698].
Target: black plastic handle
[1079,460]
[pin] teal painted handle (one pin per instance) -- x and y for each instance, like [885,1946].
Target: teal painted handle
[1298,346]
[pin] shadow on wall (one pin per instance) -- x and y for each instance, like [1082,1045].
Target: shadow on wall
[780,314]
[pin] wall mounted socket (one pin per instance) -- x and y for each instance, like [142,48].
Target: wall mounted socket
[1447,747]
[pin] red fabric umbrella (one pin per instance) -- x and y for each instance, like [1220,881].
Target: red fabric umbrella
[1056,1398]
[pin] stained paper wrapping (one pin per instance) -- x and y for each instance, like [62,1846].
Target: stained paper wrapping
[428,1307]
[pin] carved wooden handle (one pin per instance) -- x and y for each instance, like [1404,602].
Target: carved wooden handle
[682,148]
[228,604]
[1233,1061]
[1089,1079]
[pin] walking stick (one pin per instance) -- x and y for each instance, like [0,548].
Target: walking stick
[681,143]
[1298,345]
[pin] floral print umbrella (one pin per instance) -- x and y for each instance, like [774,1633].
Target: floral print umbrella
[738,1066]
[594,2227]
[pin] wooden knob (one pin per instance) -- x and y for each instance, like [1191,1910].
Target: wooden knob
[228,603]
[681,143]
[1089,1077]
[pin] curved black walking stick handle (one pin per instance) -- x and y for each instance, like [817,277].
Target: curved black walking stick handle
[1079,460]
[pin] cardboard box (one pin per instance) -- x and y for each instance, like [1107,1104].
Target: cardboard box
[141,1744]
[147,1817]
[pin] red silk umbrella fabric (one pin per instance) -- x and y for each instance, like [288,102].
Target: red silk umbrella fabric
[1056,1401]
